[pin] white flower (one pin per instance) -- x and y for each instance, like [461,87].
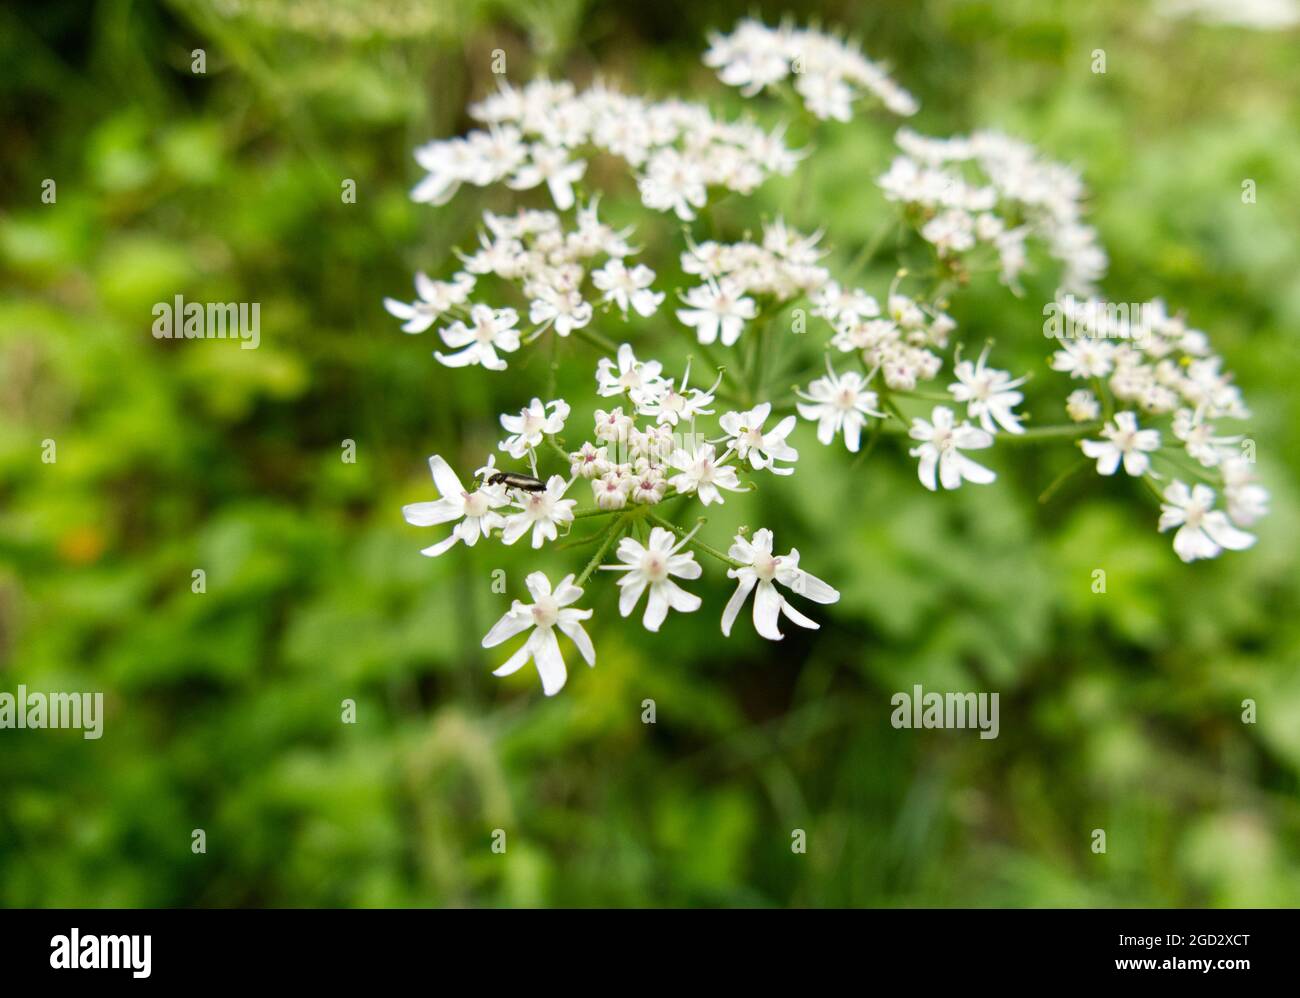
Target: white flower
[1124,441]
[533,423]
[745,434]
[1084,358]
[449,163]
[674,404]
[566,309]
[839,404]
[542,511]
[648,486]
[836,304]
[435,298]
[493,330]
[942,446]
[1247,502]
[652,566]
[673,182]
[1202,530]
[953,231]
[549,611]
[610,490]
[589,461]
[643,382]
[551,165]
[717,308]
[762,569]
[700,472]
[1082,406]
[628,288]
[989,394]
[613,426]
[473,509]
[1198,438]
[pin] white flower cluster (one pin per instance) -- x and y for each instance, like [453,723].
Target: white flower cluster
[630,468]
[899,343]
[784,266]
[1013,193]
[1152,362]
[543,132]
[548,264]
[829,73]
[1147,394]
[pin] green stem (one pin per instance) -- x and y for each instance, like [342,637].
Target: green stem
[1071,470]
[870,248]
[694,541]
[596,339]
[595,511]
[560,452]
[1154,489]
[611,535]
[1107,404]
[1065,431]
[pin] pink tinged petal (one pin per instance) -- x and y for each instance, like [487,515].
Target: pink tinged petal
[631,589]
[457,335]
[430,514]
[684,566]
[443,477]
[561,192]
[950,469]
[465,358]
[543,531]
[436,549]
[538,584]
[516,661]
[580,638]
[815,589]
[741,550]
[1147,440]
[1191,543]
[656,608]
[971,438]
[566,592]
[514,622]
[550,663]
[515,528]
[976,473]
[1224,534]
[731,329]
[418,323]
[827,428]
[795,616]
[767,609]
[926,468]
[1136,463]
[489,359]
[1106,455]
[680,600]
[853,431]
[434,189]
[743,589]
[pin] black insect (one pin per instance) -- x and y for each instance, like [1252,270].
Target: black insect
[527,483]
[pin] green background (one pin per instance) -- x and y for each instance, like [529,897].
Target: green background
[1119,711]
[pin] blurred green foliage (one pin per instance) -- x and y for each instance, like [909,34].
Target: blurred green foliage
[1119,711]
